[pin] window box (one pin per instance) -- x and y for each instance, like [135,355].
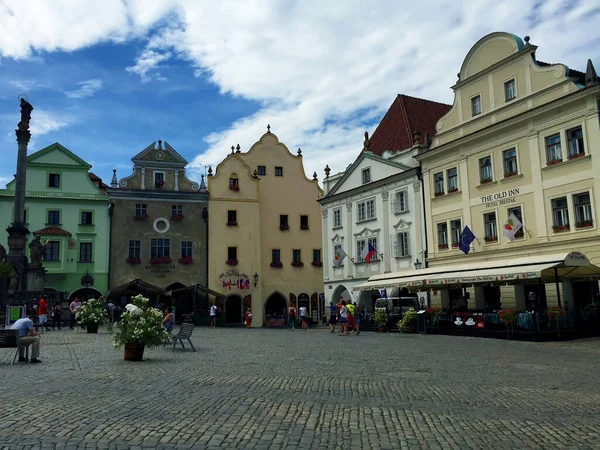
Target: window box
[277,264]
[304,227]
[317,263]
[284,227]
[233,187]
[556,161]
[232,224]
[450,191]
[232,262]
[560,228]
[443,247]
[585,224]
[486,181]
[578,155]
[455,245]
[439,194]
[133,261]
[186,260]
[177,218]
[160,260]
[510,174]
[159,184]
[297,264]
[490,239]
[138,218]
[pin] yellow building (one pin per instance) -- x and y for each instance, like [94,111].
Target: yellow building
[265,234]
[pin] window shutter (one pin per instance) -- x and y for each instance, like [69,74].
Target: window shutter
[394,241]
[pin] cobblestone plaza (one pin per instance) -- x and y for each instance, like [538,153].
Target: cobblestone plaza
[272,389]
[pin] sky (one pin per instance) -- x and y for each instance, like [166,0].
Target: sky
[108,78]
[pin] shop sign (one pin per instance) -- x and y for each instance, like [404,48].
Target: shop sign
[500,198]
[160,270]
[576,259]
[233,279]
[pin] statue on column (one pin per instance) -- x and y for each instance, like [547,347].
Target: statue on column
[26,109]
[36,252]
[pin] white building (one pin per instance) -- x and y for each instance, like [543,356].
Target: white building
[378,200]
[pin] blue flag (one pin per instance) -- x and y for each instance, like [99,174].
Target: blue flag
[382,293]
[466,237]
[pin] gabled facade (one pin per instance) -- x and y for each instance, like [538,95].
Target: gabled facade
[159,230]
[264,234]
[377,200]
[67,207]
[522,138]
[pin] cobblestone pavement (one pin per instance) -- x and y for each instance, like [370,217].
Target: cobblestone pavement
[272,389]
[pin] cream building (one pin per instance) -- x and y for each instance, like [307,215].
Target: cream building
[265,234]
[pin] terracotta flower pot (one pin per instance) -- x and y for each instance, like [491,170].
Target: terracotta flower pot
[382,329]
[134,352]
[92,327]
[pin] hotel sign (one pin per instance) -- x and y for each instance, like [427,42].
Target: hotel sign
[500,198]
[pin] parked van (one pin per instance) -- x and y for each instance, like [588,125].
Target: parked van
[395,307]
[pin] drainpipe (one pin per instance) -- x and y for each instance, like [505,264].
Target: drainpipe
[111,208]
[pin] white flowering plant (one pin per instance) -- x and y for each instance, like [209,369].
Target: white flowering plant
[92,312]
[139,324]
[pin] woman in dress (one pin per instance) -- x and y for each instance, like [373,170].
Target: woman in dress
[292,318]
[248,318]
[332,317]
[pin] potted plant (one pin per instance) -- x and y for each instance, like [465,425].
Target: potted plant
[442,246]
[584,224]
[555,312]
[232,223]
[160,260]
[133,261]
[140,327]
[92,314]
[231,262]
[408,323]
[381,319]
[560,228]
[491,239]
[234,187]
[284,227]
[434,314]
[317,263]
[297,264]
[276,264]
[485,181]
[177,217]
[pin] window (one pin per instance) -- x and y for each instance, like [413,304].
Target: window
[52,251]
[400,201]
[261,170]
[53,217]
[491,231]
[234,182]
[85,252]
[403,244]
[54,180]
[160,248]
[186,249]
[485,170]
[476,105]
[232,254]
[275,255]
[455,230]
[519,215]
[296,255]
[510,162]
[86,218]
[232,218]
[452,180]
[140,210]
[583,210]
[283,222]
[176,211]
[366,210]
[134,249]
[366,176]
[575,140]
[360,246]
[442,230]
[304,222]
[553,149]
[438,182]
[159,179]
[510,90]
[560,214]
[317,255]
[278,171]
[337,218]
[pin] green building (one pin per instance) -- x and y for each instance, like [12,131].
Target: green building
[67,206]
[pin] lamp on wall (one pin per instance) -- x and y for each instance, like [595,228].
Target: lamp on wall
[255,278]
[417,264]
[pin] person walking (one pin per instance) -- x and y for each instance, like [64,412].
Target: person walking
[213,316]
[111,311]
[351,324]
[357,315]
[248,318]
[332,317]
[43,313]
[74,307]
[303,318]
[27,336]
[343,317]
[56,315]
[292,318]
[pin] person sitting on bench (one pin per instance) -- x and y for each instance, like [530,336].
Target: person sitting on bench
[27,336]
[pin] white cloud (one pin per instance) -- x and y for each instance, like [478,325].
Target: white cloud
[4,181]
[86,89]
[43,122]
[148,61]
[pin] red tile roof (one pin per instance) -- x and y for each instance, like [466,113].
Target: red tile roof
[406,115]
[52,231]
[95,177]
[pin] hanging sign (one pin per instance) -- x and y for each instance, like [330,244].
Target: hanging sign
[233,279]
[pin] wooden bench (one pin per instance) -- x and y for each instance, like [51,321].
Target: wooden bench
[10,339]
[185,332]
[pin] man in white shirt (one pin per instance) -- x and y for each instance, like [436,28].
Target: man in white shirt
[27,336]
[213,315]
[303,317]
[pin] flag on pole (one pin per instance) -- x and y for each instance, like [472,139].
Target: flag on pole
[512,227]
[368,252]
[383,293]
[339,256]
[466,237]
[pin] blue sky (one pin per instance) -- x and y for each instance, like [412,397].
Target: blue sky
[108,78]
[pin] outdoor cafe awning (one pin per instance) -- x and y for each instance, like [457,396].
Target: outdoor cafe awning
[197,287]
[556,266]
[136,284]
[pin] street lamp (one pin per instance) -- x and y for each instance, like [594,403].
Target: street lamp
[255,279]
[417,264]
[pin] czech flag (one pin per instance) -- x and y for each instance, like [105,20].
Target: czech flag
[368,252]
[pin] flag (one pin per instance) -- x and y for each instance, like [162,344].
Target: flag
[512,227]
[382,293]
[368,252]
[466,237]
[340,254]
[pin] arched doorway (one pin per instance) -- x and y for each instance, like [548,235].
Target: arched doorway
[233,309]
[180,301]
[340,293]
[275,310]
[85,293]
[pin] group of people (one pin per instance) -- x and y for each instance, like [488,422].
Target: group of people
[346,316]
[304,319]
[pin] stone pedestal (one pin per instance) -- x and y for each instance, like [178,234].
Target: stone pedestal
[35,278]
